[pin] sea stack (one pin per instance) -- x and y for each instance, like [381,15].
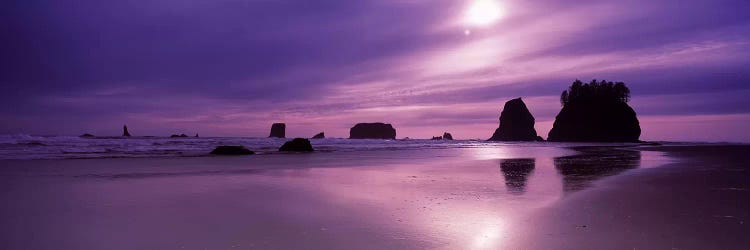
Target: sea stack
[125,131]
[320,135]
[376,130]
[231,150]
[278,130]
[447,136]
[596,112]
[516,123]
[297,145]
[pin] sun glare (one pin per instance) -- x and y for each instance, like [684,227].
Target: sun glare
[483,13]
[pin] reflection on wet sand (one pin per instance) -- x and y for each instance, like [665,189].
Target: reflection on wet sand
[579,171]
[516,172]
[447,199]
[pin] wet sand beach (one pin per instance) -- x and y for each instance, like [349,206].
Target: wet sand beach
[700,201]
[535,196]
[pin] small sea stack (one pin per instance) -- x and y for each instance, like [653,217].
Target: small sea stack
[516,123]
[178,136]
[87,135]
[297,145]
[320,135]
[377,130]
[232,150]
[447,136]
[596,112]
[125,131]
[437,138]
[278,130]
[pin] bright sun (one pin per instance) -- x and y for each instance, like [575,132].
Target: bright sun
[483,13]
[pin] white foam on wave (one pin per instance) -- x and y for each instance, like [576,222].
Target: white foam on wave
[65,147]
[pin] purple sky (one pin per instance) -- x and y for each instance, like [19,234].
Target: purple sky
[233,67]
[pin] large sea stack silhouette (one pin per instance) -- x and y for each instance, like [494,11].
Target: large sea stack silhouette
[516,123]
[125,130]
[278,130]
[376,130]
[596,112]
[320,135]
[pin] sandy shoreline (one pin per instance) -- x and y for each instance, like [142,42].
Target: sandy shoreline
[536,197]
[699,202]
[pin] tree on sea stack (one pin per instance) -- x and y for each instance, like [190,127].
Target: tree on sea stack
[596,112]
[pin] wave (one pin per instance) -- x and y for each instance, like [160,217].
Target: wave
[71,147]
[171,174]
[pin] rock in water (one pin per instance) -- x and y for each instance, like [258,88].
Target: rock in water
[231,150]
[125,131]
[87,135]
[437,137]
[516,123]
[320,135]
[447,136]
[297,145]
[596,112]
[376,130]
[278,130]
[178,136]
[596,122]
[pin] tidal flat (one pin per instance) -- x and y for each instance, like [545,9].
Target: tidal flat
[491,196]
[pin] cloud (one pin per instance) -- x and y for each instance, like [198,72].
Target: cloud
[232,67]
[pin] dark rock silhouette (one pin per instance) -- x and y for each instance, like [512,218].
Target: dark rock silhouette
[125,131]
[516,123]
[278,130]
[516,171]
[447,136]
[376,130]
[178,136]
[593,163]
[320,135]
[231,150]
[297,145]
[596,112]
[87,135]
[196,135]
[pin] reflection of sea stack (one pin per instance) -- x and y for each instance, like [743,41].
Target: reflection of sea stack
[125,131]
[580,170]
[516,123]
[596,112]
[278,130]
[320,135]
[376,130]
[516,172]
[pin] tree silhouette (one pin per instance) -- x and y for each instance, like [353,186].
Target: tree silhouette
[595,91]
